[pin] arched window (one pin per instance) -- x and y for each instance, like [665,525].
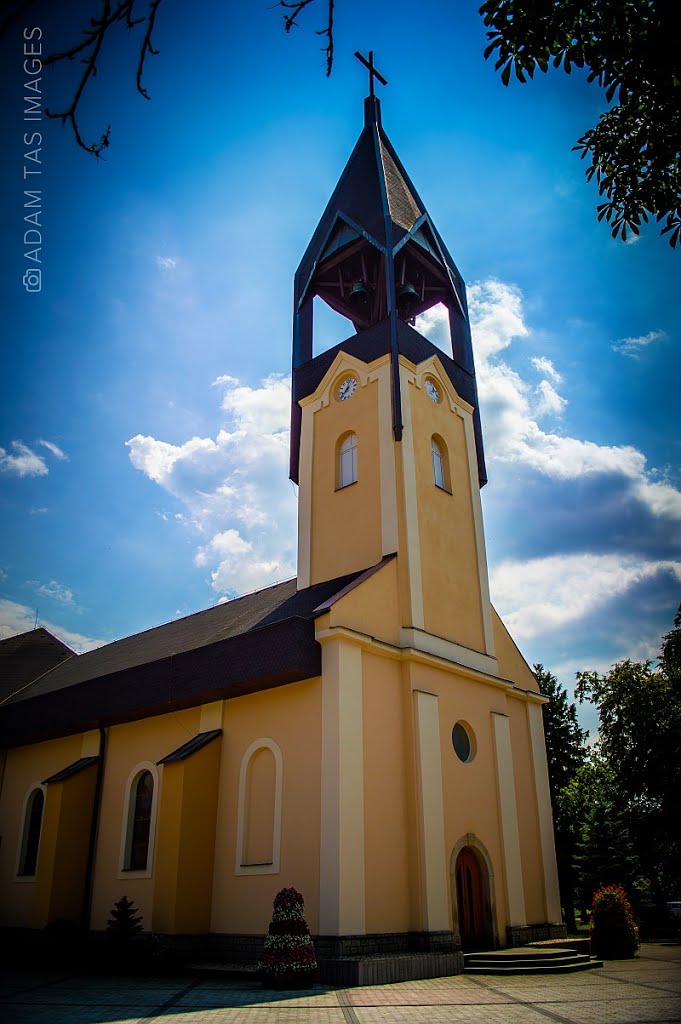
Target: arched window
[139,822]
[440,466]
[347,460]
[30,837]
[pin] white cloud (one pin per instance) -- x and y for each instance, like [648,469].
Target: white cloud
[238,569]
[39,511]
[18,618]
[544,594]
[24,461]
[54,591]
[496,317]
[545,366]
[166,262]
[510,409]
[549,400]
[234,487]
[633,347]
[54,448]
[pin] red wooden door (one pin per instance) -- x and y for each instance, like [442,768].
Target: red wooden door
[470,899]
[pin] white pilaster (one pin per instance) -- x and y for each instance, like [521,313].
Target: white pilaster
[541,782]
[411,511]
[341,869]
[387,464]
[305,498]
[481,552]
[434,900]
[508,816]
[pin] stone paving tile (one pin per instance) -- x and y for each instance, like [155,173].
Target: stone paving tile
[16,1013]
[203,997]
[253,1015]
[125,995]
[618,1011]
[504,1014]
[406,996]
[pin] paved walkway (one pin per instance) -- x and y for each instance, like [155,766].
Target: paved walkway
[647,989]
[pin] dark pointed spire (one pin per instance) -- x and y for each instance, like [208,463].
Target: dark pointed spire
[377,258]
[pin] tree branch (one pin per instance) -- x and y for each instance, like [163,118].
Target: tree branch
[89,49]
[296,7]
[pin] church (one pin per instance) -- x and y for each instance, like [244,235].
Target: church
[367,732]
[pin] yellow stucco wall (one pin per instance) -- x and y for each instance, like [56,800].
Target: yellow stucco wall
[20,900]
[373,607]
[185,846]
[528,824]
[290,716]
[66,835]
[386,792]
[469,790]
[128,746]
[345,523]
[449,562]
[512,665]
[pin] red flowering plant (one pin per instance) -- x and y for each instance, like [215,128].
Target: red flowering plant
[614,934]
[289,959]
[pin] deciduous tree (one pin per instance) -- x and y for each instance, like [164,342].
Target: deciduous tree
[629,47]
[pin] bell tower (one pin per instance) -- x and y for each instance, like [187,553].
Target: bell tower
[386,444]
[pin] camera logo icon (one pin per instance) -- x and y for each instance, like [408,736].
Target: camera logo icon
[33,279]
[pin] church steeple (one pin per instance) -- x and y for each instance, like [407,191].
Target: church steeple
[377,259]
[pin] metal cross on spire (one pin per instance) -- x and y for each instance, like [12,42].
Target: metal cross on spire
[373,73]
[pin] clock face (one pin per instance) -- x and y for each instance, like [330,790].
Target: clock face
[432,391]
[347,388]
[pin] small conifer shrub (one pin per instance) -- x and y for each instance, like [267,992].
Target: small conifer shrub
[125,922]
[289,959]
[614,935]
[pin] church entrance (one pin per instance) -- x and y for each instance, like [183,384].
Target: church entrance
[472,898]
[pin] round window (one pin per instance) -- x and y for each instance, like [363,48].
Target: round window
[463,742]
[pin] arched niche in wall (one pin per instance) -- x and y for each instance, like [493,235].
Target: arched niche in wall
[258,844]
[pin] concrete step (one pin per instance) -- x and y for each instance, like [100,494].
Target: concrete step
[526,960]
[535,968]
[521,953]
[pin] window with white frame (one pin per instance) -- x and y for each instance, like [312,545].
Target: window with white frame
[140,820]
[347,461]
[30,835]
[439,467]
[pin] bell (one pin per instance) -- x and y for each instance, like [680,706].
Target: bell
[359,293]
[407,299]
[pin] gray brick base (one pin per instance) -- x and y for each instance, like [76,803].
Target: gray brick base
[521,934]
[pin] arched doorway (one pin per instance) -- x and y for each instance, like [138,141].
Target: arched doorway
[471,891]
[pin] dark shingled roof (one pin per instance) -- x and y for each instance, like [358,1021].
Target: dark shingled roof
[372,171]
[28,655]
[254,642]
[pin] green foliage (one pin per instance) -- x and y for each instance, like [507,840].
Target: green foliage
[125,923]
[604,851]
[289,959]
[613,930]
[670,655]
[640,739]
[629,48]
[566,752]
[565,741]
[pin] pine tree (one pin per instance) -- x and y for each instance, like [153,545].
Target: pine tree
[566,753]
[125,923]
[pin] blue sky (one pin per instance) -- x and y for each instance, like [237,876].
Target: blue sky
[144,393]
